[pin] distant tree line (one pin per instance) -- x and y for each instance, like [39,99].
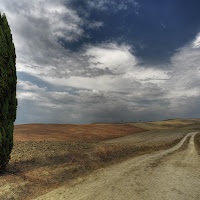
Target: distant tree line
[8,101]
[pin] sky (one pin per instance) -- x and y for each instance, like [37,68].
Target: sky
[105,60]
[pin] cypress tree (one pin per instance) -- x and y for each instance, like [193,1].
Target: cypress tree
[8,101]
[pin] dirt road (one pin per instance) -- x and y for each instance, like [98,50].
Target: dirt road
[164,175]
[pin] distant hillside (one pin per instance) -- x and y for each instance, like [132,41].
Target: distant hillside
[167,124]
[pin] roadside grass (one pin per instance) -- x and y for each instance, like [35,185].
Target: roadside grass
[51,164]
[117,152]
[197,142]
[182,148]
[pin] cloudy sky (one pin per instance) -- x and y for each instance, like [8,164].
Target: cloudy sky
[105,60]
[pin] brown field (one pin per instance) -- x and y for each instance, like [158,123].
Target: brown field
[46,156]
[69,132]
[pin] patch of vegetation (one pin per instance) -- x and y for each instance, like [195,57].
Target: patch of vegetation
[112,153]
[197,142]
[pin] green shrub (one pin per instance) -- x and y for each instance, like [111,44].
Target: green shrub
[8,81]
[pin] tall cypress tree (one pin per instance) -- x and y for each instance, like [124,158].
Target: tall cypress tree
[8,101]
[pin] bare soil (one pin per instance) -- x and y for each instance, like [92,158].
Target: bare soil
[70,132]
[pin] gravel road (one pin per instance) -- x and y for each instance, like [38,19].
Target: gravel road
[163,175]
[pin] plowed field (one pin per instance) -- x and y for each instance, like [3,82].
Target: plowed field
[70,132]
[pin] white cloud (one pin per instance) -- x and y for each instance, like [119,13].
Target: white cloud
[26,85]
[112,56]
[54,15]
[37,27]
[186,70]
[196,43]
[28,91]
[120,60]
[105,5]
[126,71]
[183,86]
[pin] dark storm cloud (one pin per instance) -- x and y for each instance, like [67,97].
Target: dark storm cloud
[86,106]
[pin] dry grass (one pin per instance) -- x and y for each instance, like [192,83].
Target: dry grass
[167,124]
[110,153]
[197,142]
[37,167]
[182,148]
